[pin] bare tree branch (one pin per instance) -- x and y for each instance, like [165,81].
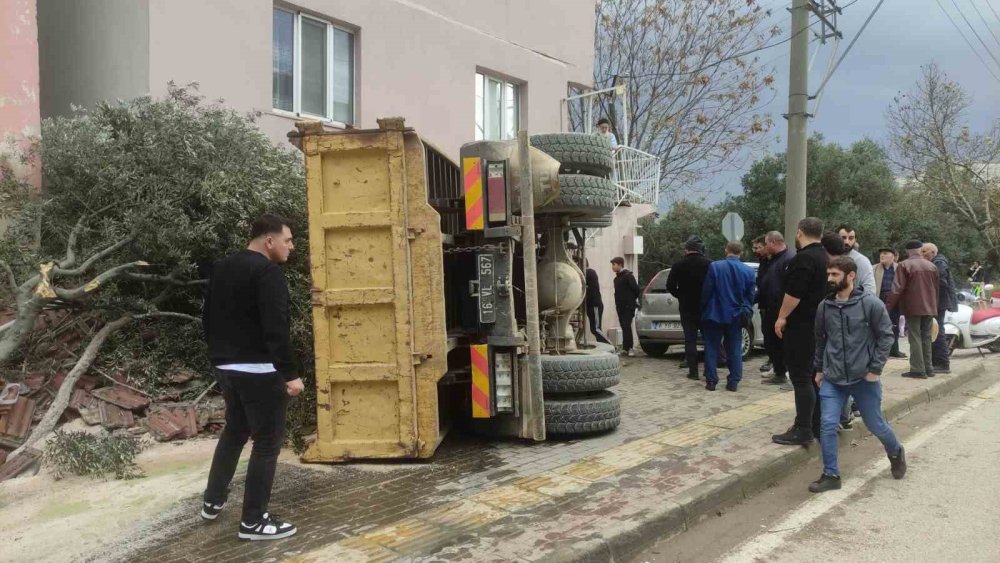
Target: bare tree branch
[163,279]
[11,279]
[167,315]
[74,236]
[92,285]
[82,268]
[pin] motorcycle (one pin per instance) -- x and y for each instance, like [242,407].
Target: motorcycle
[972,328]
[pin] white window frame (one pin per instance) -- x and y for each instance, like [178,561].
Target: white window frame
[519,88]
[297,70]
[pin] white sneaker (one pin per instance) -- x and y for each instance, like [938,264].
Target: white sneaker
[269,528]
[631,353]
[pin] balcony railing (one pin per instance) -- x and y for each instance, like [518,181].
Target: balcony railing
[637,174]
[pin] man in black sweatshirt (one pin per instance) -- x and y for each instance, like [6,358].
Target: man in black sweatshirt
[249,343]
[685,280]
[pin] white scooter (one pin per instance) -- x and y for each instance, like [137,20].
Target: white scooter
[972,328]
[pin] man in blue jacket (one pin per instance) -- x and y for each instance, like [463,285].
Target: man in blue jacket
[853,338]
[726,302]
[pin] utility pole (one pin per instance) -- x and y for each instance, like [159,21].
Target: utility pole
[798,103]
[798,100]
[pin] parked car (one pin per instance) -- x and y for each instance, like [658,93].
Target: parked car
[658,322]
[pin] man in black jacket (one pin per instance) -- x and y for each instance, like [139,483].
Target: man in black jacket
[595,303]
[805,286]
[770,293]
[626,300]
[686,278]
[249,343]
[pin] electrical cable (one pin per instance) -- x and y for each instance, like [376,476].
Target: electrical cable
[848,50]
[982,19]
[967,42]
[976,33]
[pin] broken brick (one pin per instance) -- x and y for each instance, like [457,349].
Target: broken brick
[24,461]
[113,416]
[122,397]
[164,426]
[81,399]
[91,415]
[17,422]
[35,381]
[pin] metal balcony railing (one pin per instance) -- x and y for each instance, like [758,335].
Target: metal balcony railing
[637,174]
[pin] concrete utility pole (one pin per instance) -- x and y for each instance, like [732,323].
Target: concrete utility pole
[798,100]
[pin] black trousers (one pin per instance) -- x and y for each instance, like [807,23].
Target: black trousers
[255,408]
[894,319]
[691,326]
[625,317]
[594,314]
[939,350]
[799,348]
[774,346]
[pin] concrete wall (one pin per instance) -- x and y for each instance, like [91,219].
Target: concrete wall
[19,112]
[92,51]
[414,58]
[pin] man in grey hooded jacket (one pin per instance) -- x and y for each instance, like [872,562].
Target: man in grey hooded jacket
[853,338]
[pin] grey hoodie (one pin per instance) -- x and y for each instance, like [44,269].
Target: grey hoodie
[853,337]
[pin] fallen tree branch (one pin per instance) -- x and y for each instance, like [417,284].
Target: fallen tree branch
[74,235]
[61,400]
[203,393]
[116,382]
[168,315]
[92,285]
[10,279]
[163,279]
[82,268]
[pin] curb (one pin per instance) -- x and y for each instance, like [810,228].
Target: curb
[687,509]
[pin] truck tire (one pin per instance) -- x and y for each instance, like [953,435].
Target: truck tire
[583,371]
[577,153]
[583,196]
[582,414]
[597,223]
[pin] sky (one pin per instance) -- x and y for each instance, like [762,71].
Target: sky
[903,36]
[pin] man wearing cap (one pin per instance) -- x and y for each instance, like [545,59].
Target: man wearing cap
[885,274]
[915,291]
[685,280]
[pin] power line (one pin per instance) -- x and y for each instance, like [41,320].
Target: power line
[967,42]
[981,18]
[848,50]
[992,10]
[976,33]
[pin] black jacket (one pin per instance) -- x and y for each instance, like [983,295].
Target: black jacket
[626,291]
[686,278]
[593,289]
[805,279]
[246,313]
[770,290]
[947,295]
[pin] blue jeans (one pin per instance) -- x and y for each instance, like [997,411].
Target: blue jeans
[715,334]
[868,396]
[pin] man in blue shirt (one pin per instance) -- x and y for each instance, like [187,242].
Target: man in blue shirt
[726,302]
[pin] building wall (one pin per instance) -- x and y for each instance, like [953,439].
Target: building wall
[92,51]
[414,58]
[19,112]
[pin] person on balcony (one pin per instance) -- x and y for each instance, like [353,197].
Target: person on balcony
[604,132]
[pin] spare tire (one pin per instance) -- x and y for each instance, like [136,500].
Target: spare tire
[582,196]
[580,371]
[588,223]
[582,414]
[577,153]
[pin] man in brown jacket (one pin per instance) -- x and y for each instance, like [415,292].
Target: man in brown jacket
[915,292]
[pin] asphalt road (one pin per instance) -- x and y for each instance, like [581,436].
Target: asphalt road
[946,509]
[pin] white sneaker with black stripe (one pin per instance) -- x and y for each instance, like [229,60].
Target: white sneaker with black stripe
[269,528]
[211,511]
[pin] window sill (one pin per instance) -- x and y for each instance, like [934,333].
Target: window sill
[329,123]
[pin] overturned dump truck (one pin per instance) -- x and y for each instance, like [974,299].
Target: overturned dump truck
[446,294]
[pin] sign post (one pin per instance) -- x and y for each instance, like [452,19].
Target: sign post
[732,226]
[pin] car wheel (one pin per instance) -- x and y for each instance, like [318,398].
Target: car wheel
[582,414]
[993,346]
[746,341]
[653,350]
[581,371]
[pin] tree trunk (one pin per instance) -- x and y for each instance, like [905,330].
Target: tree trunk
[65,393]
[27,314]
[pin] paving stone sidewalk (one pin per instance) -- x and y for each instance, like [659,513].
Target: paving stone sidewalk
[679,451]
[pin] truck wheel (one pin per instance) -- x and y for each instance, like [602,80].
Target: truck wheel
[580,371]
[654,350]
[582,414]
[598,223]
[583,196]
[577,152]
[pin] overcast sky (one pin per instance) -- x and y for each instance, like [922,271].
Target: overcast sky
[903,36]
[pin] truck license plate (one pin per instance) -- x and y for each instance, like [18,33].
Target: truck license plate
[487,298]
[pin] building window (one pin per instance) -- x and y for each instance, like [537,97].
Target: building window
[498,107]
[312,67]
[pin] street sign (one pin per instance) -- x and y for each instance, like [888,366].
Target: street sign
[732,226]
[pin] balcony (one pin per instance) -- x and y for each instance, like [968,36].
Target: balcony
[637,174]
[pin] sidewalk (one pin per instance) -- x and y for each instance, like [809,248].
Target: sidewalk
[680,454]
